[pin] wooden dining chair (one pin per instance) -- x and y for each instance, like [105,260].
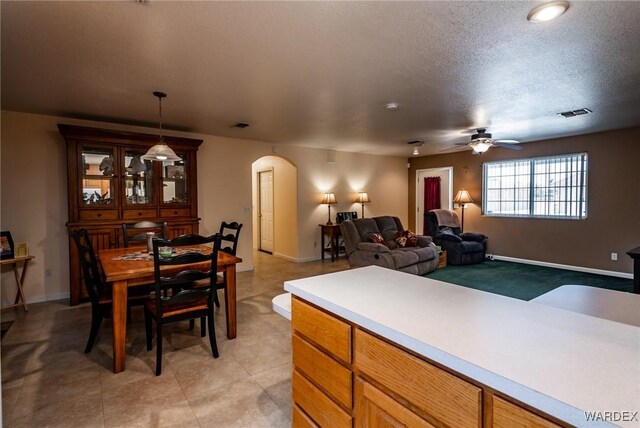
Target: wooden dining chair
[98,290]
[190,303]
[136,233]
[230,233]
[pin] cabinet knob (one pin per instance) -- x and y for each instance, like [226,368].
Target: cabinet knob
[99,215]
[139,214]
[175,213]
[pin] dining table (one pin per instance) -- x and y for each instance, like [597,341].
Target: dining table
[123,269]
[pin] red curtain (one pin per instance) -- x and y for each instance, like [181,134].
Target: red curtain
[431,198]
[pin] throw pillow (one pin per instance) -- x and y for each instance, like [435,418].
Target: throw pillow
[406,239]
[378,239]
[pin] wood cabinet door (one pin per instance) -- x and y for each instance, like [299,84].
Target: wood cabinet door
[374,409]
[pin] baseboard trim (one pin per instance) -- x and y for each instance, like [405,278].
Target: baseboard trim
[297,260]
[47,298]
[567,267]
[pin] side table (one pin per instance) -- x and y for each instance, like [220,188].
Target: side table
[635,255]
[20,300]
[332,231]
[442,260]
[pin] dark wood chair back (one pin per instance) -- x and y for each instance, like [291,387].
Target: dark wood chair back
[136,233]
[93,280]
[230,233]
[183,280]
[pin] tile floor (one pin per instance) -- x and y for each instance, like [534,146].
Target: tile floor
[47,380]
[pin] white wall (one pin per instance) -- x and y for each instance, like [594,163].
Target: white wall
[33,196]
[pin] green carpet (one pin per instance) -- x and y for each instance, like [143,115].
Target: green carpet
[522,281]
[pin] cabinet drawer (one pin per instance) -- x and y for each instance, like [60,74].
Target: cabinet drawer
[326,372]
[300,420]
[509,415]
[138,214]
[436,392]
[326,331]
[318,406]
[98,214]
[175,212]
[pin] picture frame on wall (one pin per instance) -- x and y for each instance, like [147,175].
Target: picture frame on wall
[6,245]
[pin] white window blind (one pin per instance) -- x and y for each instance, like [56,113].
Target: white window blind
[553,186]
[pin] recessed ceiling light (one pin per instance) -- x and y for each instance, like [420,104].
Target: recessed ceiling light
[547,11]
[392,106]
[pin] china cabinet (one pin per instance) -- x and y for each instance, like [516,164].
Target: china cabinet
[109,184]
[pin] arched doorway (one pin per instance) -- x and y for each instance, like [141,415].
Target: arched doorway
[275,206]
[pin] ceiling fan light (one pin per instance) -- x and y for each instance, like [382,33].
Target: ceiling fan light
[480,146]
[547,11]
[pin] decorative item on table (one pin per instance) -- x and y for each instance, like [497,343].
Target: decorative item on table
[21,249]
[164,252]
[462,198]
[6,245]
[346,215]
[150,236]
[329,199]
[362,198]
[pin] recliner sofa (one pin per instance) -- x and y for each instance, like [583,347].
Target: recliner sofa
[462,248]
[362,251]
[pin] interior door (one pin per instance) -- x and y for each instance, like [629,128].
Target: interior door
[266,210]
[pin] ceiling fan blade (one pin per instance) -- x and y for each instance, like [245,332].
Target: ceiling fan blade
[508,141]
[461,144]
[508,146]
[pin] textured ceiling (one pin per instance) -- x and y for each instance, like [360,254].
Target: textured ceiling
[319,74]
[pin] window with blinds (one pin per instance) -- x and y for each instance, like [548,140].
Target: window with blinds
[554,186]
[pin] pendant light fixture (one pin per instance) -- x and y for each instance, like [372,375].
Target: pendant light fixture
[160,152]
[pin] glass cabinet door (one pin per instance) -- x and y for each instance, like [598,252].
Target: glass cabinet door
[98,176]
[138,178]
[174,181]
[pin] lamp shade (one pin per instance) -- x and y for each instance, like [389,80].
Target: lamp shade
[160,152]
[463,197]
[362,198]
[329,199]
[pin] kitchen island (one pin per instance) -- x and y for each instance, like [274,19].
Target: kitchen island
[373,345]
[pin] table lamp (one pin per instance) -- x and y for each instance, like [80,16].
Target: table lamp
[329,199]
[462,198]
[362,198]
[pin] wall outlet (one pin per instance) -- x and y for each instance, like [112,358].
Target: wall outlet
[614,256]
[48,273]
[489,256]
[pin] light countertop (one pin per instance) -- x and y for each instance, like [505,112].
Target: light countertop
[563,363]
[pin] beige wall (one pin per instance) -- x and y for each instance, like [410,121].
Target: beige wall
[613,204]
[285,205]
[34,191]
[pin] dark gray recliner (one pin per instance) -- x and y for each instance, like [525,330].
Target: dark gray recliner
[362,251]
[462,248]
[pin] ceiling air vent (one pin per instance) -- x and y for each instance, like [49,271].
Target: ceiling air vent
[240,125]
[572,113]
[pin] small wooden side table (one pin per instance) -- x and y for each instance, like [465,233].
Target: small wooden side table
[442,261]
[333,232]
[635,255]
[20,300]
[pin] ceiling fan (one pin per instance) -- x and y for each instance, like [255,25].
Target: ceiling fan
[481,141]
